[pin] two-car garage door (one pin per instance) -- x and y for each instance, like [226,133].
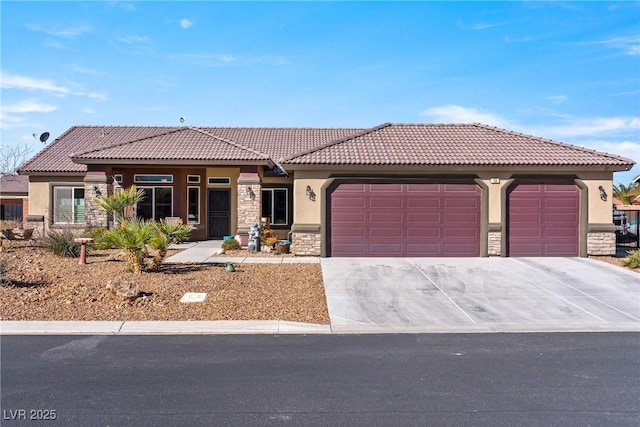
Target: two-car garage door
[404,219]
[443,219]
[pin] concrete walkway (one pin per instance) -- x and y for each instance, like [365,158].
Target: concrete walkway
[207,252]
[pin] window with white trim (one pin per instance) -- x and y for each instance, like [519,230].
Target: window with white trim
[193,179]
[218,180]
[193,205]
[152,178]
[157,203]
[275,205]
[68,205]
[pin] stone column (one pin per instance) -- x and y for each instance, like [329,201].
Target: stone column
[306,239]
[96,184]
[249,202]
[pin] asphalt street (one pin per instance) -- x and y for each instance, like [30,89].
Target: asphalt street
[374,380]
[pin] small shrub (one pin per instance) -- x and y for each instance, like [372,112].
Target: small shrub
[633,260]
[97,234]
[61,243]
[230,245]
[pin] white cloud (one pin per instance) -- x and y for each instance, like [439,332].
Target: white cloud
[630,45]
[88,111]
[131,39]
[185,23]
[88,71]
[557,99]
[12,81]
[54,44]
[70,32]
[459,114]
[10,121]
[29,106]
[591,127]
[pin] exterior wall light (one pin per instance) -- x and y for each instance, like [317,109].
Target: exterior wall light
[310,194]
[603,193]
[250,193]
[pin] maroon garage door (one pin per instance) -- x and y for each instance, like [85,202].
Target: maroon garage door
[404,219]
[544,220]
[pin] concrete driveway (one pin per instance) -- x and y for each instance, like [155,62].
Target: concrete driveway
[480,295]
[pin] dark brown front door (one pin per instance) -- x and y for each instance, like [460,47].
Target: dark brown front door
[218,213]
[544,220]
[404,219]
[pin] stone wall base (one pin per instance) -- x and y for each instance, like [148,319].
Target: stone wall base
[601,243]
[495,243]
[306,243]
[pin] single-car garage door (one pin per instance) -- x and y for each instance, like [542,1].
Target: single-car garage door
[404,219]
[544,220]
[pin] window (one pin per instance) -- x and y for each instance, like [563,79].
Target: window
[118,178]
[275,205]
[157,203]
[193,179]
[11,212]
[152,178]
[193,205]
[68,205]
[212,180]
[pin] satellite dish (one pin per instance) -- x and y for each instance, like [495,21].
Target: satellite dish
[35,135]
[44,137]
[182,119]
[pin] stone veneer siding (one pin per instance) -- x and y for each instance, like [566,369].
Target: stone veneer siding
[495,243]
[601,243]
[248,209]
[306,243]
[94,216]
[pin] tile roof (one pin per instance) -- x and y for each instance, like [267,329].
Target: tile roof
[451,145]
[387,144]
[176,144]
[14,185]
[92,143]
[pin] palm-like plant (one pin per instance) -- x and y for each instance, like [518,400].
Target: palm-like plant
[132,237]
[116,203]
[626,194]
[166,234]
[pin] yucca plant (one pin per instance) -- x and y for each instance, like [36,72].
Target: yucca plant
[132,236]
[166,234]
[116,203]
[626,193]
[61,243]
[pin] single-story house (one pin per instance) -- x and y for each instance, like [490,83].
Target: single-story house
[432,190]
[14,197]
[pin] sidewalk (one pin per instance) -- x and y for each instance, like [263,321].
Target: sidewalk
[205,253]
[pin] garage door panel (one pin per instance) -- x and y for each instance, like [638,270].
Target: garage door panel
[409,219]
[462,203]
[381,217]
[423,203]
[350,232]
[386,202]
[386,232]
[349,216]
[348,202]
[548,225]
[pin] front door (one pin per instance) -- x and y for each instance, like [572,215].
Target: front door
[218,213]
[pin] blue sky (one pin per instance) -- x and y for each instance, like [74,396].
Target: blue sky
[568,71]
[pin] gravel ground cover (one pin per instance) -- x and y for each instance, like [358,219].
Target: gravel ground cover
[38,285]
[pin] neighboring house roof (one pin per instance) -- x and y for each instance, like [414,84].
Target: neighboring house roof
[452,145]
[387,144]
[14,185]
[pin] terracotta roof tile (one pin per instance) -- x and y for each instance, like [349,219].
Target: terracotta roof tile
[451,145]
[14,185]
[388,144]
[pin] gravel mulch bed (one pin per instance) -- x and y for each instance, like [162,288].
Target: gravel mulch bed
[40,286]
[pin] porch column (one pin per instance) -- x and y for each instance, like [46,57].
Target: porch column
[96,184]
[249,202]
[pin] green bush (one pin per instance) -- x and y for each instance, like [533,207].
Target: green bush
[61,243]
[230,245]
[633,260]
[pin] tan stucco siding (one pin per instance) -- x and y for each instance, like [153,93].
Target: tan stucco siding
[41,194]
[305,210]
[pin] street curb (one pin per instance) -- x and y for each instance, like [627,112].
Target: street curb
[35,327]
